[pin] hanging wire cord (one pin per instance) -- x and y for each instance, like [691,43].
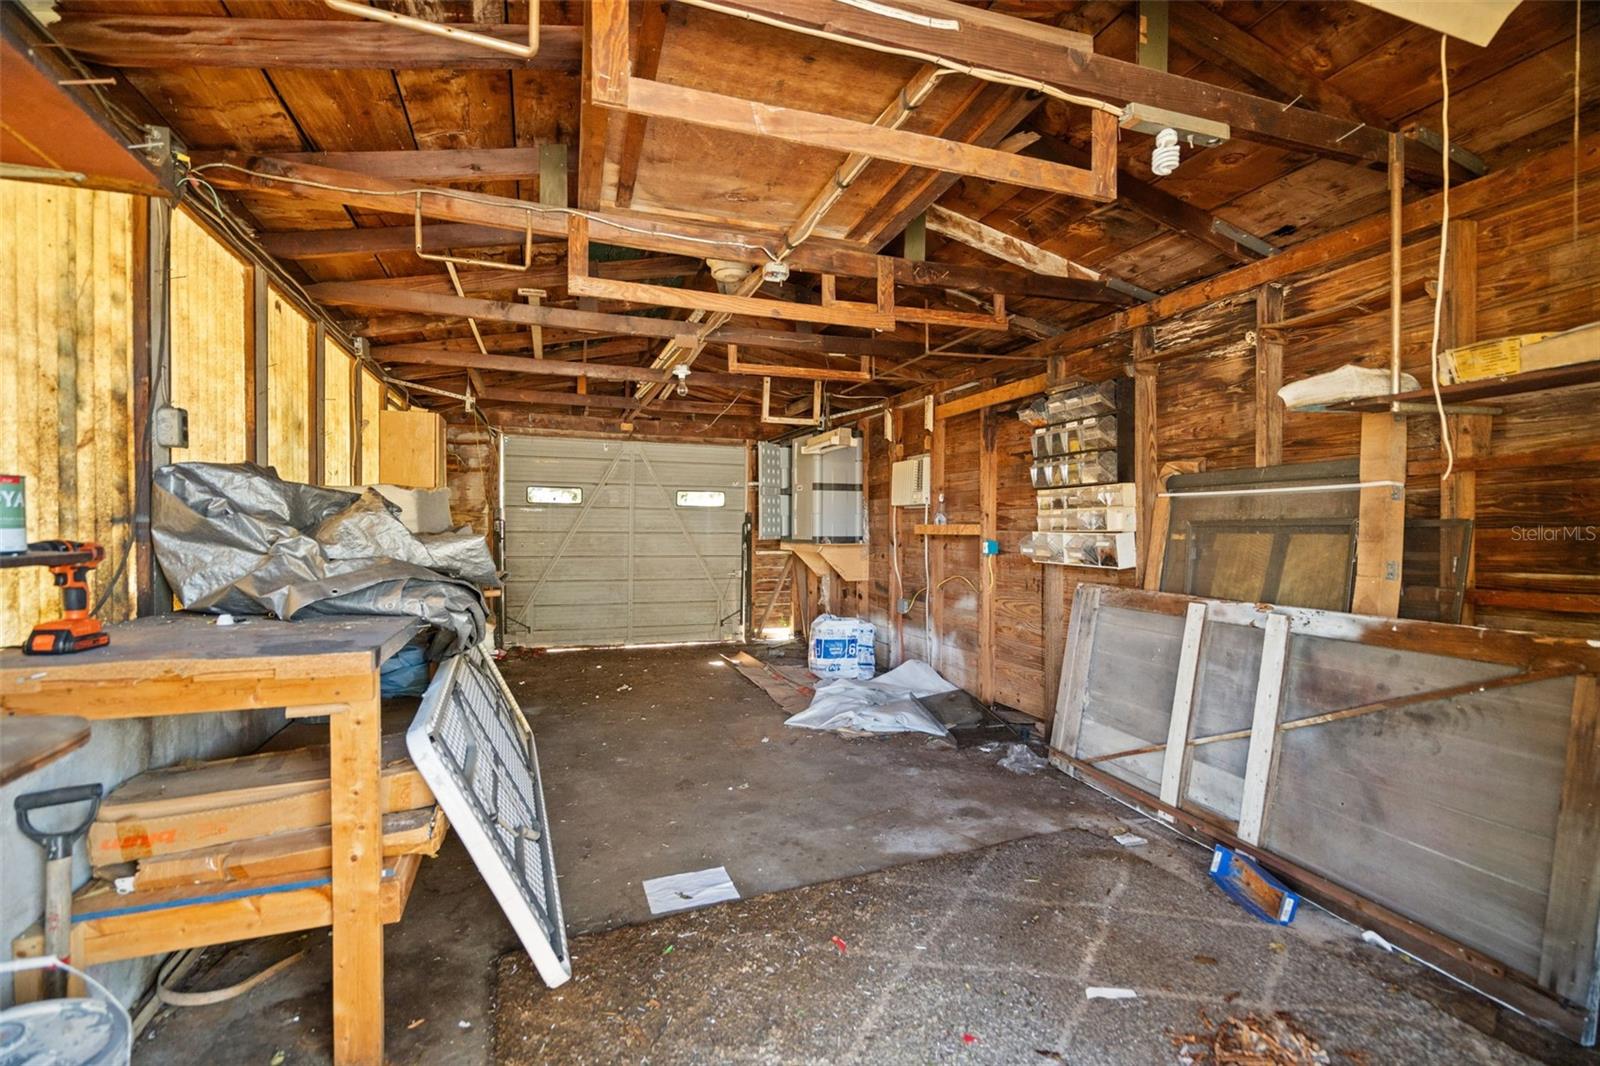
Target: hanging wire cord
[1444,241]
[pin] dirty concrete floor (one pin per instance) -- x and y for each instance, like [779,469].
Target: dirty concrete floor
[655,761]
[985,957]
[671,773]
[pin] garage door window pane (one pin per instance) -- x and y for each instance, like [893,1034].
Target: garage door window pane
[552,494]
[696,498]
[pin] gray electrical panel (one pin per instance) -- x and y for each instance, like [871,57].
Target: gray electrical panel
[772,491]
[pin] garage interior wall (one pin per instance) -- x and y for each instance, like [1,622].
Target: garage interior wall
[211,334]
[66,423]
[371,406]
[1529,268]
[290,356]
[338,389]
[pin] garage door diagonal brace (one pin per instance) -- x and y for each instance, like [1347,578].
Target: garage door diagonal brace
[572,531]
[687,538]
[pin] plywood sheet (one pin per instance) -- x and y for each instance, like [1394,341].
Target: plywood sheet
[290,336]
[338,434]
[210,343]
[66,389]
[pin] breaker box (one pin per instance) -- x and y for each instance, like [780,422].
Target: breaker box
[908,482]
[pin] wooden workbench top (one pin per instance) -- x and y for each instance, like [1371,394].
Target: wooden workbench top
[181,663]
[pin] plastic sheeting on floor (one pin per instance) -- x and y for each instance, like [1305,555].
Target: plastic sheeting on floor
[237,538]
[885,704]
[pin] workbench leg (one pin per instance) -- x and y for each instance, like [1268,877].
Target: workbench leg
[354,741]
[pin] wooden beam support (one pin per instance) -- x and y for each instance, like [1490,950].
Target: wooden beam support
[647,60]
[446,166]
[860,316]
[1568,952]
[1269,376]
[1146,461]
[1030,50]
[1381,516]
[630,229]
[988,521]
[807,373]
[553,368]
[1009,249]
[1470,435]
[645,268]
[171,41]
[1007,393]
[325,244]
[752,118]
[727,430]
[554,397]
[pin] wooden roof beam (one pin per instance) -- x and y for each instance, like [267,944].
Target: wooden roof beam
[177,41]
[552,368]
[442,166]
[647,60]
[631,229]
[482,280]
[1010,249]
[436,237]
[384,297]
[666,429]
[1018,47]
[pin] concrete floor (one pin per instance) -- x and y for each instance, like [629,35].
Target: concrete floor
[666,761]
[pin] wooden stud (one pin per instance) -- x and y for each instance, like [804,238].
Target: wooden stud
[988,512]
[1567,956]
[354,771]
[1145,471]
[1263,753]
[1470,435]
[1381,515]
[1269,376]
[933,598]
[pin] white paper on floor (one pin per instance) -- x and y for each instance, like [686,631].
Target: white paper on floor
[681,892]
[885,704]
[1097,992]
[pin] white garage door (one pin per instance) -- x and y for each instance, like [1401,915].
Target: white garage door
[621,542]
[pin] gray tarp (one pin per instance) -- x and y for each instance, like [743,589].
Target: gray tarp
[237,538]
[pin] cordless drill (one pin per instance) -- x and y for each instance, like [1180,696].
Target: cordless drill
[74,630]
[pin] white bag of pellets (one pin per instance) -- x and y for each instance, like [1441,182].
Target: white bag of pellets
[842,647]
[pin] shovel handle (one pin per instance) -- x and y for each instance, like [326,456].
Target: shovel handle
[58,843]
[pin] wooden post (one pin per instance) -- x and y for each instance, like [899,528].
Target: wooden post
[354,738]
[1567,954]
[933,599]
[259,303]
[1053,593]
[1381,515]
[1269,376]
[319,398]
[1144,437]
[988,520]
[1469,434]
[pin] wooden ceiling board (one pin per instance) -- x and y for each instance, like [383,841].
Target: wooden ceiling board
[685,169]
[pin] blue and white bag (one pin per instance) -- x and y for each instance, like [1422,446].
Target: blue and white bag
[842,647]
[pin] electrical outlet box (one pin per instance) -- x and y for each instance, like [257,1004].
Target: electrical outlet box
[908,482]
[990,547]
[171,427]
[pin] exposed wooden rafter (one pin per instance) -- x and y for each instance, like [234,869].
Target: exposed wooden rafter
[1010,249]
[647,58]
[171,41]
[445,166]
[1018,47]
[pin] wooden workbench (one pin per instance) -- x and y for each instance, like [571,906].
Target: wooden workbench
[186,664]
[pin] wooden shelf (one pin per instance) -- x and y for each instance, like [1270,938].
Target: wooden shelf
[1488,389]
[849,561]
[35,742]
[954,529]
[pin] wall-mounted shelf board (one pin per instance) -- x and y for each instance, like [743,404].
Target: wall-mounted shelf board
[959,529]
[849,561]
[1488,389]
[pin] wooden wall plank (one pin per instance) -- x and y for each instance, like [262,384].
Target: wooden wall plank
[1567,959]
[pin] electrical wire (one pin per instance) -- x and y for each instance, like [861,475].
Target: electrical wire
[1444,241]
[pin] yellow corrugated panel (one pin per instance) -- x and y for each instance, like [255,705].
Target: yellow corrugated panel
[210,348]
[371,407]
[289,396]
[338,370]
[66,368]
